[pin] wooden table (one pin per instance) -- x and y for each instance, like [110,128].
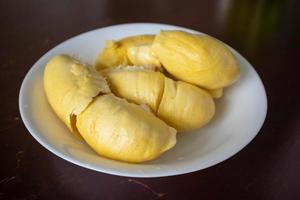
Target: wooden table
[266,32]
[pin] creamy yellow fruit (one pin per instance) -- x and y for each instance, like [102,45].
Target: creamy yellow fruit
[70,86]
[182,105]
[138,85]
[185,106]
[115,52]
[123,131]
[142,55]
[113,127]
[198,59]
[216,93]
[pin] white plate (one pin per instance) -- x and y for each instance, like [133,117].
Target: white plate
[239,114]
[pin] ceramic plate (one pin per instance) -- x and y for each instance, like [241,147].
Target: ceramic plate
[239,114]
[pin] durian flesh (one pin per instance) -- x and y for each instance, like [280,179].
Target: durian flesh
[142,55]
[216,93]
[71,86]
[198,59]
[112,126]
[182,105]
[123,131]
[115,52]
[137,84]
[185,106]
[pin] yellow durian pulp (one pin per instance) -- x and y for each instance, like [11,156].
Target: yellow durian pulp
[142,55]
[185,106]
[113,127]
[70,86]
[182,105]
[137,85]
[123,131]
[115,52]
[216,93]
[198,59]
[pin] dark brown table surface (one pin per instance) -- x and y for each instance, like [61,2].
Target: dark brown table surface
[266,32]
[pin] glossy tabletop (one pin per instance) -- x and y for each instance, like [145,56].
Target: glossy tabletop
[265,32]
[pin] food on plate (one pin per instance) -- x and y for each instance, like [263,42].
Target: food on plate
[124,131]
[115,52]
[142,90]
[180,104]
[185,106]
[71,86]
[142,55]
[216,93]
[198,59]
[113,127]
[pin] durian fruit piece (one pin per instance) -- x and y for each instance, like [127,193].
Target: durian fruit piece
[115,52]
[182,105]
[197,59]
[142,55]
[185,106]
[70,87]
[113,127]
[137,84]
[123,131]
[216,93]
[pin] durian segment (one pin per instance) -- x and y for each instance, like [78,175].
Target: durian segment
[137,85]
[198,59]
[111,126]
[142,55]
[216,93]
[185,106]
[115,52]
[70,86]
[182,105]
[123,131]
